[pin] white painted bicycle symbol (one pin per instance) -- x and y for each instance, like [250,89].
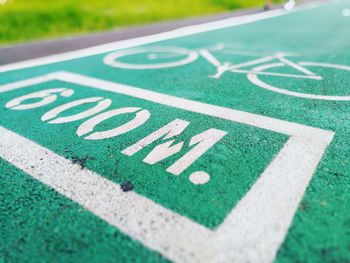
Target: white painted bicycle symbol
[167,57]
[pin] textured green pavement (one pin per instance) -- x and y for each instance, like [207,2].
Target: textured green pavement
[37,224]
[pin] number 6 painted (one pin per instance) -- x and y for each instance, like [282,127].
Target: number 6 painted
[47,96]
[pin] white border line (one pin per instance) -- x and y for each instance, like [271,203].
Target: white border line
[252,232]
[181,32]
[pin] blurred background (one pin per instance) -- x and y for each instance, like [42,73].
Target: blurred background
[27,20]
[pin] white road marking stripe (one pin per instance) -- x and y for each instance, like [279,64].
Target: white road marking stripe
[157,227]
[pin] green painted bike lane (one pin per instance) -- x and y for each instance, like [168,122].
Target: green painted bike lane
[302,77]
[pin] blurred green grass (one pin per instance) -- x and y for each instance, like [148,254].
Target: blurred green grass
[23,20]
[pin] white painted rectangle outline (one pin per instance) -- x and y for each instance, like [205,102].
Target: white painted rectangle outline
[252,232]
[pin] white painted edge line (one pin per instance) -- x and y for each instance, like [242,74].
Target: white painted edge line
[180,32]
[252,232]
[155,226]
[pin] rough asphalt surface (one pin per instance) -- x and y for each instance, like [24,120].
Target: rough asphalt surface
[219,143]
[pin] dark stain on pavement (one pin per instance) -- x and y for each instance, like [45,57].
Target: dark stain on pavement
[127,186]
